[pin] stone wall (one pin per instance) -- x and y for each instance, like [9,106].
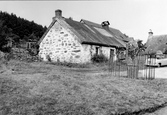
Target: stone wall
[90,50]
[61,44]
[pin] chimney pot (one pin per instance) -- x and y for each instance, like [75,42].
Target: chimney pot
[150,33]
[105,24]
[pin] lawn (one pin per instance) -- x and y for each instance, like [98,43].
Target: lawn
[40,88]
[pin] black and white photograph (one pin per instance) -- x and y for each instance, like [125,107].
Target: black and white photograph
[83,57]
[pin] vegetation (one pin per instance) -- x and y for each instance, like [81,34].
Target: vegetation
[99,58]
[48,89]
[136,48]
[15,29]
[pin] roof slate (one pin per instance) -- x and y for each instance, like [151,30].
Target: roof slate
[87,34]
[88,30]
[117,33]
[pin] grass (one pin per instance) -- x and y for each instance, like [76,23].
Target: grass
[45,89]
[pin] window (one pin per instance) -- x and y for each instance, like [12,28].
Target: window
[97,50]
[103,32]
[111,54]
[89,28]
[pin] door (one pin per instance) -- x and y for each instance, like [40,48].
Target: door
[111,54]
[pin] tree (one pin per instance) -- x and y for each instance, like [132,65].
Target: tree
[3,36]
[135,48]
[141,47]
[20,26]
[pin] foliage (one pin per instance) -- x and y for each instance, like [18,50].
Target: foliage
[56,90]
[4,32]
[21,26]
[48,58]
[18,29]
[99,58]
[135,50]
[141,47]
[68,64]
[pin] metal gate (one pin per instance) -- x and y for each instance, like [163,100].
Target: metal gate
[140,67]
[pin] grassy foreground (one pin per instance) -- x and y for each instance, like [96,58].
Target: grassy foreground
[45,89]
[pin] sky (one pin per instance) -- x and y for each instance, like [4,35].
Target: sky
[133,17]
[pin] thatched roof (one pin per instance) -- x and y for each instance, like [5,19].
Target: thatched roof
[156,43]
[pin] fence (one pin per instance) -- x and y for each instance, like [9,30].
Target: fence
[135,68]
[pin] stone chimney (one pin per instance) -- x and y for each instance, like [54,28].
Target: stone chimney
[150,33]
[70,18]
[58,14]
[105,24]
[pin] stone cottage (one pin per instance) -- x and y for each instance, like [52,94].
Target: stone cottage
[67,40]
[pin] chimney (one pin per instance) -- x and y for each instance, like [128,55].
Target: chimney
[105,24]
[58,13]
[70,18]
[150,33]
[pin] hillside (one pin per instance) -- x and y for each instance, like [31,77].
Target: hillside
[18,29]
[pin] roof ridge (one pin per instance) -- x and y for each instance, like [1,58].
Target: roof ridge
[159,35]
[91,23]
[80,30]
[99,25]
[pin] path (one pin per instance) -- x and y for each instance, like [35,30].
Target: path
[161,72]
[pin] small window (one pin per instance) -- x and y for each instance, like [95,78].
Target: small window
[97,50]
[111,54]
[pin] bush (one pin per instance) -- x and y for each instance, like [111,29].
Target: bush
[48,58]
[8,56]
[99,58]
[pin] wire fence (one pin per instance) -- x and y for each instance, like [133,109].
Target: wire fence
[141,67]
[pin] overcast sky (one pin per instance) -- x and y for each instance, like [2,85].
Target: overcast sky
[132,17]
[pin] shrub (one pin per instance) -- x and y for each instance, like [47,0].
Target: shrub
[99,58]
[48,58]
[8,56]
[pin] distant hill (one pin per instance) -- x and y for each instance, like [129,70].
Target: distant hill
[18,29]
